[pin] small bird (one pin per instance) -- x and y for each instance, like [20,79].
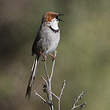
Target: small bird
[45,43]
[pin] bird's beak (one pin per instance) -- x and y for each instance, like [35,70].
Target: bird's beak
[60,14]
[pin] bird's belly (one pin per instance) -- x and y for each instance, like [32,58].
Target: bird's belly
[50,42]
[52,47]
[54,40]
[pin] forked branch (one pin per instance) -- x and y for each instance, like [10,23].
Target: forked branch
[47,89]
[77,99]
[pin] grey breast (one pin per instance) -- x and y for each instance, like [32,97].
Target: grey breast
[49,39]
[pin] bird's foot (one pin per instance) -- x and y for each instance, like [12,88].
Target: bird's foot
[53,57]
[43,56]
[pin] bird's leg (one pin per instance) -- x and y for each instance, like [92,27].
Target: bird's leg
[43,56]
[53,57]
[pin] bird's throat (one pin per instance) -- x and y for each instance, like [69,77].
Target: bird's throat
[54,29]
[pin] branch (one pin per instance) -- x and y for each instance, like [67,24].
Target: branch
[44,80]
[47,87]
[53,67]
[46,72]
[55,95]
[76,100]
[61,93]
[63,86]
[40,97]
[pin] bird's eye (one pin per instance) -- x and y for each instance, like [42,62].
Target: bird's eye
[56,17]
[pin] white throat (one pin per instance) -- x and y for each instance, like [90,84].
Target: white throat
[54,24]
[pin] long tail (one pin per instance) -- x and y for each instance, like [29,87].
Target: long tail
[31,79]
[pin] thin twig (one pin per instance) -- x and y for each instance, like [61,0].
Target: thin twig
[44,80]
[76,100]
[63,86]
[55,95]
[48,89]
[53,67]
[40,97]
[59,101]
[46,72]
[79,106]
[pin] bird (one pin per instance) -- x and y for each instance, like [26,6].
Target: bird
[46,42]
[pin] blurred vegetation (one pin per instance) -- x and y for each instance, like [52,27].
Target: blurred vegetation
[83,57]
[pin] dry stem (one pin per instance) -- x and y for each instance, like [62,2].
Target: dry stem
[47,88]
[76,100]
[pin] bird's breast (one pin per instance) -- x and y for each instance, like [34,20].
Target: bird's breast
[50,39]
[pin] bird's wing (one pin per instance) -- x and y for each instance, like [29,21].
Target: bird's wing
[35,47]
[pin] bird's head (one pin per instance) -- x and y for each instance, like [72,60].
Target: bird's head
[52,19]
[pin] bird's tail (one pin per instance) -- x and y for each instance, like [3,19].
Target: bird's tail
[32,77]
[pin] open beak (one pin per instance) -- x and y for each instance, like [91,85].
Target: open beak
[59,18]
[60,14]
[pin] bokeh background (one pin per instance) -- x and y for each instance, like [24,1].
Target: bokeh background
[83,58]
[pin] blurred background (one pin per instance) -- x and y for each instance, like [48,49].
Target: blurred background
[83,57]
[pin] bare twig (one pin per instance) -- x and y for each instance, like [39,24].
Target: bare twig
[63,86]
[55,95]
[59,101]
[48,89]
[46,72]
[53,67]
[79,106]
[40,97]
[76,100]
[44,80]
